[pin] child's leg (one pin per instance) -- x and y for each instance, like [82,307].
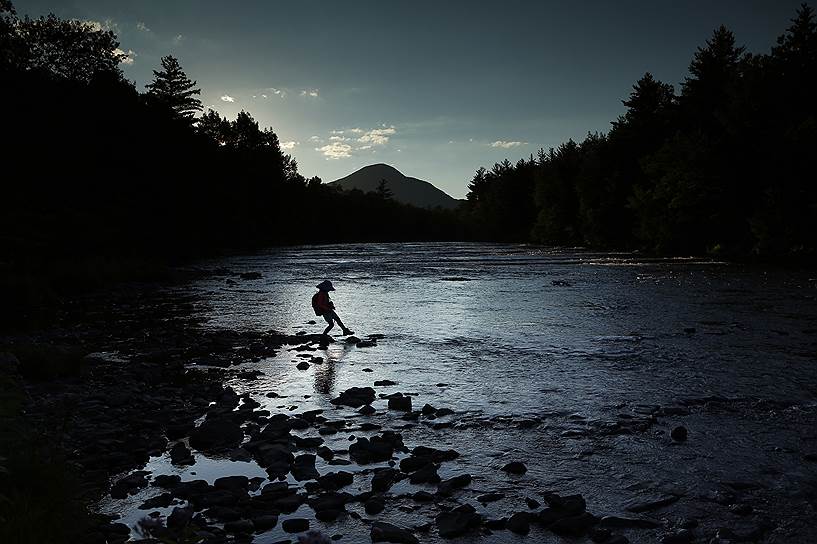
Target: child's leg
[329,317]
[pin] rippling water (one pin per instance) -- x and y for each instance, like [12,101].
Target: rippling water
[568,336]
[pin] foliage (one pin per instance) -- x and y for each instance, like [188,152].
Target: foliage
[723,167]
[172,87]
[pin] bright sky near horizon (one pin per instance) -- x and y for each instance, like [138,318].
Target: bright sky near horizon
[436,89]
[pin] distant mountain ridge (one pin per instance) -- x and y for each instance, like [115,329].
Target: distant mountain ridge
[404,189]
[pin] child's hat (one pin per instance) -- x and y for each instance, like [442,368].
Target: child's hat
[325,285]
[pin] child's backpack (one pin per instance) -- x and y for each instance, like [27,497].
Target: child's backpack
[315,305]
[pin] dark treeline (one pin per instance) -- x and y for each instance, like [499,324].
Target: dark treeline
[725,166]
[97,172]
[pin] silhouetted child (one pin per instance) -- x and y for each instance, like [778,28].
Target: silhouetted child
[324,306]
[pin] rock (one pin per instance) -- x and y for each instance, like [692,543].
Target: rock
[679,433]
[490,497]
[180,430]
[295,525]
[366,344]
[426,475]
[441,412]
[386,532]
[167,480]
[161,501]
[458,521]
[641,505]
[379,448]
[374,506]
[331,500]
[384,383]
[682,536]
[179,518]
[561,507]
[519,523]
[515,467]
[427,409]
[332,481]
[264,522]
[303,365]
[232,483]
[384,478]
[401,403]
[741,509]
[181,455]
[325,453]
[239,526]
[250,275]
[446,487]
[216,434]
[423,496]
[366,410]
[355,397]
[618,522]
[303,468]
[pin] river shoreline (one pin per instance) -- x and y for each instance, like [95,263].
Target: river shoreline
[143,373]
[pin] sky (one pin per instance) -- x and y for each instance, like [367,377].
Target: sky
[434,88]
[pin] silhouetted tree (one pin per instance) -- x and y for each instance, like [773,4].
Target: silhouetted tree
[172,87]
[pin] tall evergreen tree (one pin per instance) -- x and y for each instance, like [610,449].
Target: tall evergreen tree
[172,87]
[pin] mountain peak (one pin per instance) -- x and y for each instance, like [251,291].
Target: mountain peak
[404,189]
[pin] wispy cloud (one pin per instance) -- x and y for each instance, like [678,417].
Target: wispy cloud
[227,98]
[142,27]
[336,150]
[316,139]
[107,24]
[178,38]
[288,146]
[128,58]
[313,93]
[505,144]
[377,136]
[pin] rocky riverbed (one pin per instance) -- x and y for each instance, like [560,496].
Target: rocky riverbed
[186,430]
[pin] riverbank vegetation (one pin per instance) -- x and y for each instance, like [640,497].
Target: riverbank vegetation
[723,166]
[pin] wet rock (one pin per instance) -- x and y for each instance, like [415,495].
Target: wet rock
[232,483]
[130,484]
[308,442]
[264,522]
[181,455]
[645,505]
[515,467]
[741,509]
[426,475]
[239,526]
[303,468]
[215,434]
[401,403]
[682,536]
[442,412]
[332,481]
[379,448]
[386,532]
[427,410]
[423,496]
[180,430]
[573,525]
[490,497]
[366,344]
[384,478]
[532,503]
[303,365]
[161,501]
[679,433]
[600,534]
[448,486]
[624,522]
[458,521]
[355,397]
[167,480]
[295,525]
[561,507]
[179,518]
[384,383]
[325,453]
[519,523]
[330,500]
[367,410]
[374,506]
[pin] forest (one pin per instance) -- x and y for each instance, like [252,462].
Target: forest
[724,167]
[101,180]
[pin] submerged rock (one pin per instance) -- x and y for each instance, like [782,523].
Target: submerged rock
[401,403]
[679,433]
[515,467]
[386,532]
[458,521]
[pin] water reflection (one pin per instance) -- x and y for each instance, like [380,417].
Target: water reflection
[325,374]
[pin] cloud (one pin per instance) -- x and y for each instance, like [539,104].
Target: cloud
[227,98]
[504,144]
[178,38]
[128,58]
[335,150]
[287,146]
[278,92]
[313,93]
[377,136]
[107,24]
[339,138]
[364,147]
[316,139]
[142,27]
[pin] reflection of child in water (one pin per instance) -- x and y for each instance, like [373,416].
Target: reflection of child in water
[324,306]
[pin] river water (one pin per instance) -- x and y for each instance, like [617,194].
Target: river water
[539,351]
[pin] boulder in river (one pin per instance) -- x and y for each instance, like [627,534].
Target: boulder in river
[355,397]
[458,521]
[386,532]
[401,403]
[515,467]
[679,433]
[216,433]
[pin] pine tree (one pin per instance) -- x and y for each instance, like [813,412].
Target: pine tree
[172,87]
